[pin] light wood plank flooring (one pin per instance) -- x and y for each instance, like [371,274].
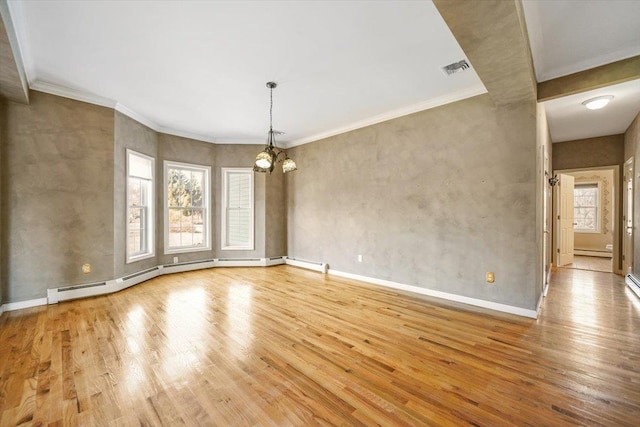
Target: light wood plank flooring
[283,346]
[592,263]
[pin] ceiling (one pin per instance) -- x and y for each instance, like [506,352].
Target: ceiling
[199,68]
[570,120]
[569,36]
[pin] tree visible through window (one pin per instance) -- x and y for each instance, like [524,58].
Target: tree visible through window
[140,230]
[187,207]
[585,207]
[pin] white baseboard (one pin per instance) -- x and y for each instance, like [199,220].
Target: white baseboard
[10,306]
[542,295]
[66,293]
[633,283]
[438,294]
[187,266]
[586,252]
[309,265]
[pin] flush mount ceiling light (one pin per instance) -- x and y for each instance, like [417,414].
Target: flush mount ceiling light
[598,102]
[267,158]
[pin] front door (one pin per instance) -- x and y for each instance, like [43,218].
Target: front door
[565,219]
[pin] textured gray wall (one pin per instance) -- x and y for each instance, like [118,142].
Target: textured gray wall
[130,134]
[590,152]
[276,214]
[57,173]
[632,148]
[435,199]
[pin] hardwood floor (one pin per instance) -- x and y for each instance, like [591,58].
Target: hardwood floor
[592,263]
[284,346]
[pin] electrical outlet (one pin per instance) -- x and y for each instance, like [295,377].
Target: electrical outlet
[359,258]
[490,277]
[86,268]
[175,259]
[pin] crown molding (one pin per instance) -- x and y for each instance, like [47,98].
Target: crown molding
[78,95]
[415,108]
[75,94]
[65,92]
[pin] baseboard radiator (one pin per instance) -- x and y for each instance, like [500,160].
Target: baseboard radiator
[309,265]
[66,293]
[633,283]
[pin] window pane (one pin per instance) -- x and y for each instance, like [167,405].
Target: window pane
[140,166]
[195,186]
[140,231]
[585,211]
[187,204]
[133,192]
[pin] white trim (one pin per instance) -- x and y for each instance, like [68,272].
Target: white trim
[10,306]
[309,265]
[438,294]
[405,111]
[66,293]
[223,221]
[599,207]
[14,43]
[188,266]
[150,226]
[586,252]
[633,283]
[16,14]
[206,203]
[545,290]
[66,92]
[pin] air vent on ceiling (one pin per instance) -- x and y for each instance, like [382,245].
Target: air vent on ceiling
[456,67]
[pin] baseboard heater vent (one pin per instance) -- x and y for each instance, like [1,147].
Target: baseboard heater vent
[76,287]
[139,273]
[633,283]
[310,265]
[65,293]
[201,261]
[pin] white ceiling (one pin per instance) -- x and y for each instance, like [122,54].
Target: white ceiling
[200,68]
[569,119]
[568,36]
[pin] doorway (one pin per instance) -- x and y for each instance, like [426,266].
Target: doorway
[587,219]
[627,217]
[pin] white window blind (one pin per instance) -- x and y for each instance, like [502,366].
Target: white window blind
[237,214]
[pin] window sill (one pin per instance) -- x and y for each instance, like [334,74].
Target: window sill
[137,258]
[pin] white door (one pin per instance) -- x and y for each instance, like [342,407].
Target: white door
[565,219]
[627,212]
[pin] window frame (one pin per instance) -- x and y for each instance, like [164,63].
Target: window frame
[223,221]
[150,223]
[206,194]
[598,207]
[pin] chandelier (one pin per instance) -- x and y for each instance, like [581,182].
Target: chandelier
[266,160]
